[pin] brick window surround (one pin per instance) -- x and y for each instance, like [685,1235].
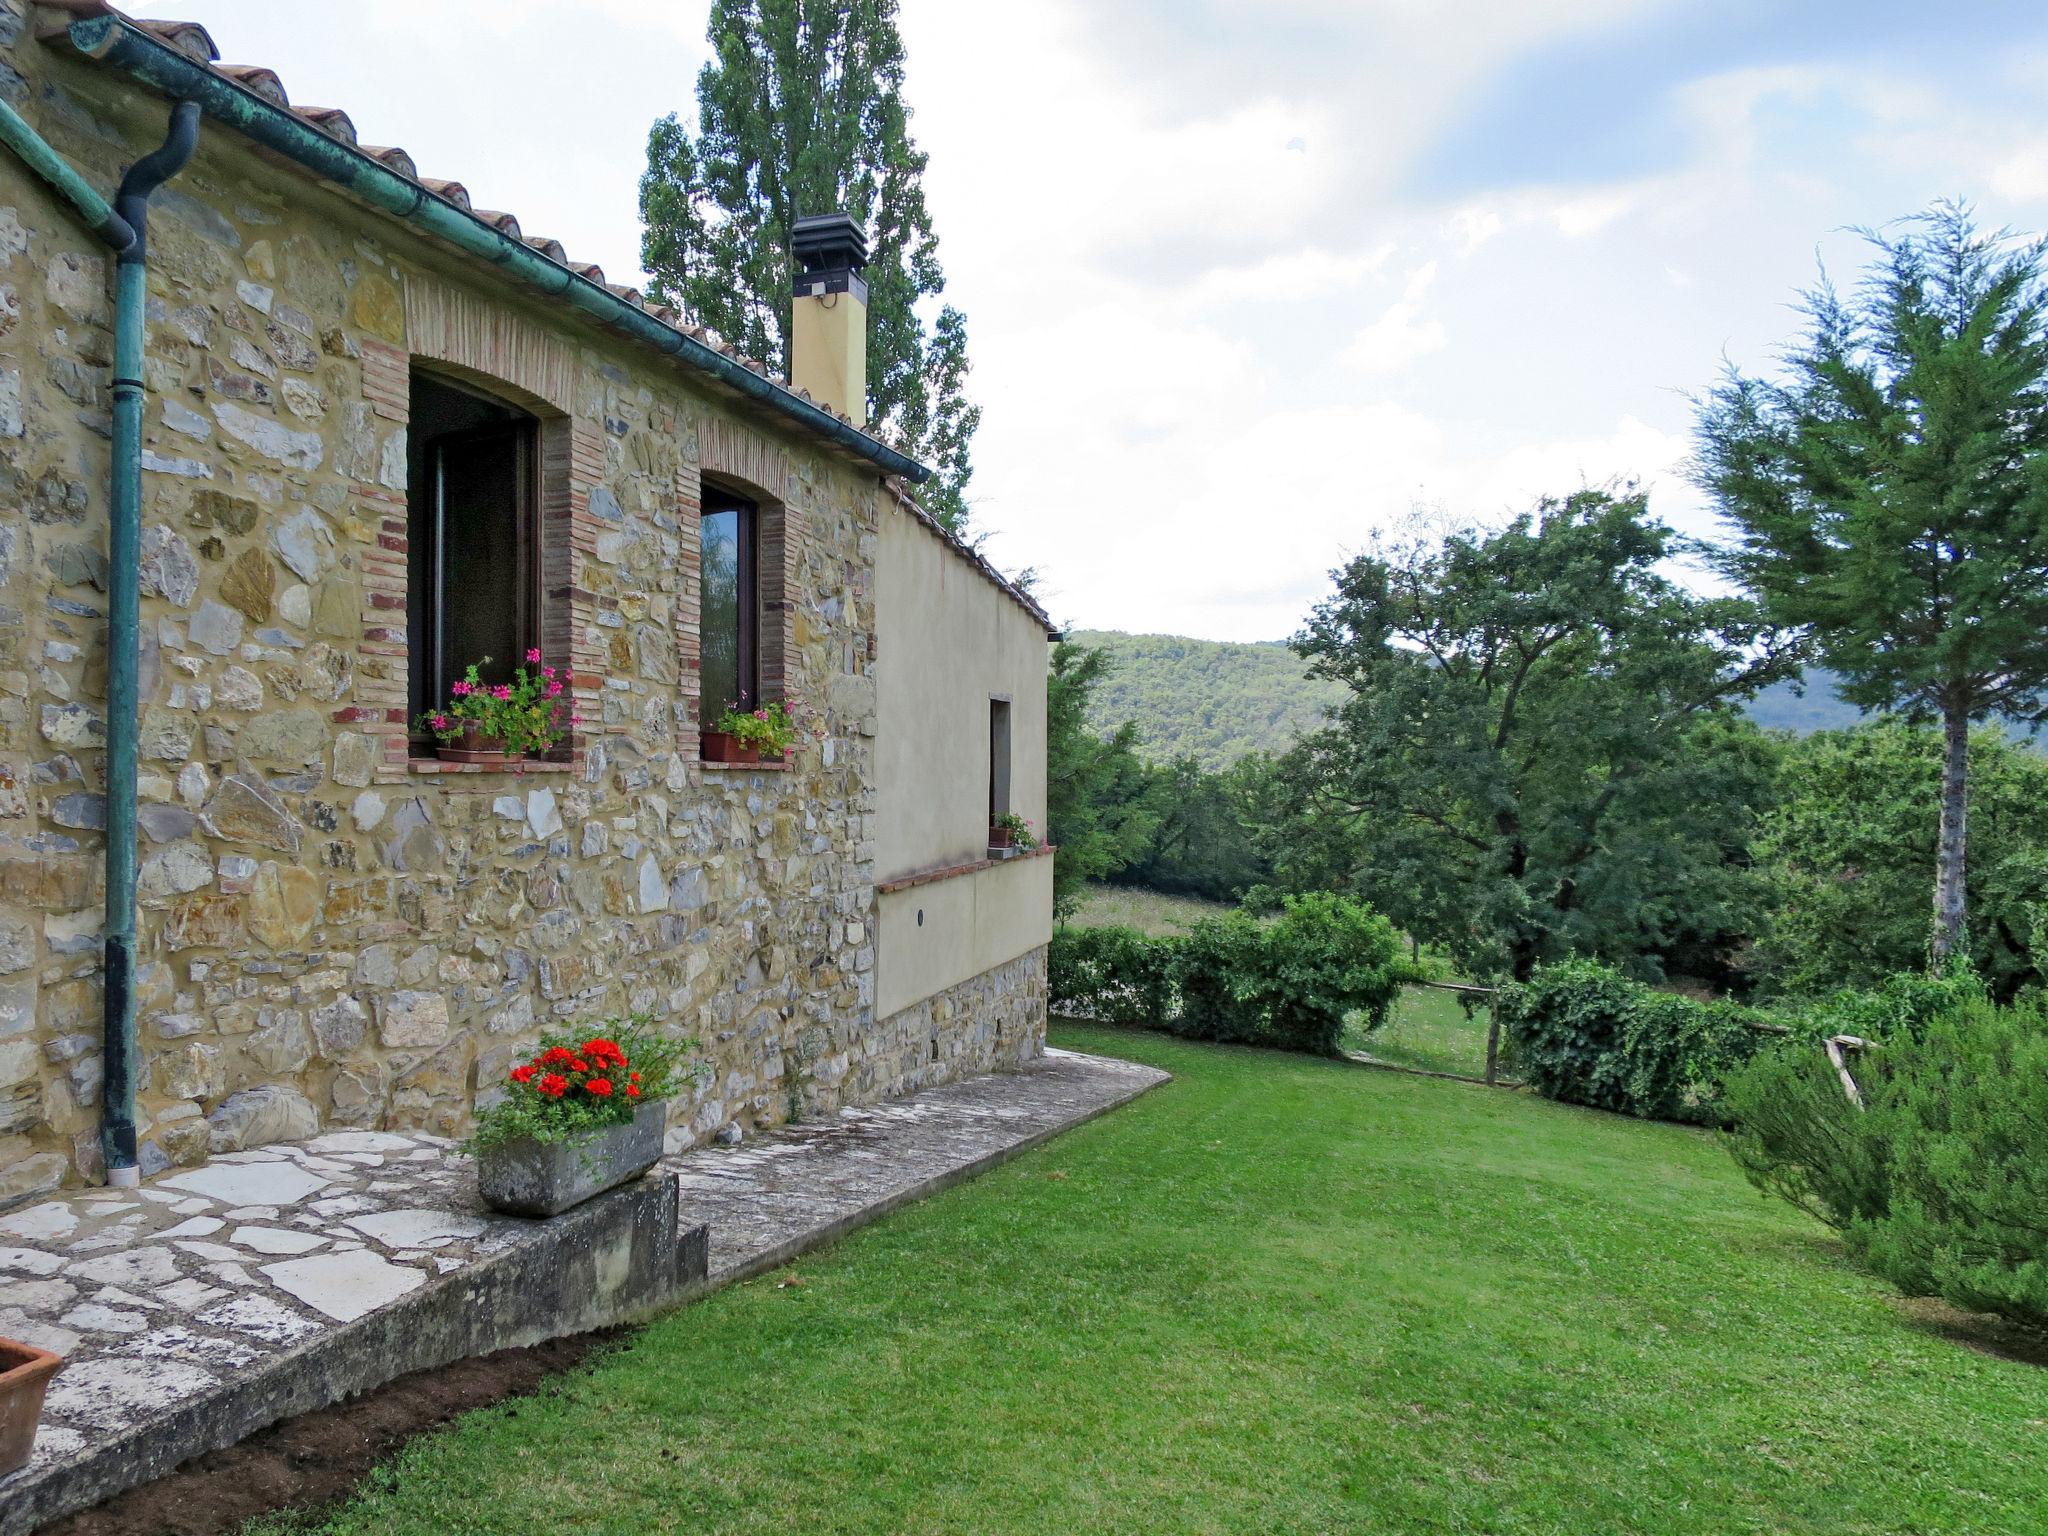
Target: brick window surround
[504,354]
[738,459]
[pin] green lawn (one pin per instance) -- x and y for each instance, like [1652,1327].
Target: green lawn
[1153,912]
[1430,1029]
[1281,1295]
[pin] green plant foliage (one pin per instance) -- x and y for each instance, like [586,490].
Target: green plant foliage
[1940,1184]
[1211,702]
[1890,493]
[1290,983]
[1113,975]
[1847,849]
[1582,1032]
[578,1084]
[1540,753]
[1961,1116]
[801,111]
[1795,1134]
[1097,812]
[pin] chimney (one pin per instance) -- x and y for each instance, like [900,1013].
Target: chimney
[828,333]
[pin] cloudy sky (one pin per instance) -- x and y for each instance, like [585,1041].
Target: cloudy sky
[1248,279]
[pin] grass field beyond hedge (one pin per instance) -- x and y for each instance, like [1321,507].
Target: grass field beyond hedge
[1280,1294]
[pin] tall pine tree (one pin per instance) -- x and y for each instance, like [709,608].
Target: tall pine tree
[801,111]
[1890,494]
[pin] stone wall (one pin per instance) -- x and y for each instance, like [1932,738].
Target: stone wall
[986,1023]
[332,933]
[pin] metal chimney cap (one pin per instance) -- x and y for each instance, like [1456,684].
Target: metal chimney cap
[828,242]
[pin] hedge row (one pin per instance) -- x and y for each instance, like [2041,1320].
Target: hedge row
[1581,1032]
[1288,983]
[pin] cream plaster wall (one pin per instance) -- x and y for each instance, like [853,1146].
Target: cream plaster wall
[937,935]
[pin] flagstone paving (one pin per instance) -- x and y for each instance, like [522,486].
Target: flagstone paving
[165,1298]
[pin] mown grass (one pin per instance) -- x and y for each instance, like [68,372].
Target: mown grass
[1122,906]
[1279,1294]
[1428,1028]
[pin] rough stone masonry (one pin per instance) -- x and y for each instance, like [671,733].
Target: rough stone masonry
[333,934]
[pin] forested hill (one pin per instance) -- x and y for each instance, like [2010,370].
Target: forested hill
[1212,700]
[1216,700]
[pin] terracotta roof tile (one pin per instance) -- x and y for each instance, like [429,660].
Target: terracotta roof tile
[196,43]
[330,120]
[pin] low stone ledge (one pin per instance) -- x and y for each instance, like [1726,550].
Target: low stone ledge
[130,1407]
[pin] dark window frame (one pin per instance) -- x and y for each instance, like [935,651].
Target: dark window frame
[999,757]
[747,581]
[426,610]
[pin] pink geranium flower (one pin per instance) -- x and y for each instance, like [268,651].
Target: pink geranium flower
[534,654]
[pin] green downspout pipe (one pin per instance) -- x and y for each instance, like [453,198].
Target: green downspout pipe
[124,604]
[162,68]
[123,225]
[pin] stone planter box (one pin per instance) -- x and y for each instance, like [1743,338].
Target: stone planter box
[25,1373]
[527,1178]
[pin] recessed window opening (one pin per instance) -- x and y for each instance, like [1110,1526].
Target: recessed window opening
[729,657]
[998,760]
[473,538]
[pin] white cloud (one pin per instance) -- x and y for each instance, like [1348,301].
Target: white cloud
[1400,335]
[1219,335]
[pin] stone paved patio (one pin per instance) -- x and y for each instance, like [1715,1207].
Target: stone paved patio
[219,1298]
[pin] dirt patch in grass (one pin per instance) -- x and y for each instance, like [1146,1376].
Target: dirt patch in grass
[317,1458]
[1981,1331]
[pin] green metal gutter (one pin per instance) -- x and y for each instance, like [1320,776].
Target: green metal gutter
[124,226]
[134,52]
[97,212]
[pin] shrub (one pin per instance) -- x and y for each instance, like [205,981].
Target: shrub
[1583,1033]
[1289,984]
[1114,975]
[1797,1136]
[1325,958]
[1941,1184]
[1960,1119]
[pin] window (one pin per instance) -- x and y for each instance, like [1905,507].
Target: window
[729,657]
[998,760]
[472,527]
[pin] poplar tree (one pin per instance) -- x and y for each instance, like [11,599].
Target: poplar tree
[801,111]
[1889,494]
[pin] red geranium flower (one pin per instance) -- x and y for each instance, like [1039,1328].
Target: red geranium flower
[601,1086]
[632,1092]
[606,1051]
[522,1074]
[554,1085]
[556,1056]
[579,1065]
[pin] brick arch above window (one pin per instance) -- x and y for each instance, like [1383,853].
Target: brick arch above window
[734,458]
[500,352]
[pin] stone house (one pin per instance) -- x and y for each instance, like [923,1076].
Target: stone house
[384,433]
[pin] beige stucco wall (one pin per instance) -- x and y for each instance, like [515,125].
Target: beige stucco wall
[970,923]
[948,642]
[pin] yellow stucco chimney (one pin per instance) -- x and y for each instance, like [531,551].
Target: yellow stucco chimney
[828,333]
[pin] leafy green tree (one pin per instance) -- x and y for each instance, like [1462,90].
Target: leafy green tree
[1097,811]
[1202,844]
[1890,494]
[1848,851]
[801,111]
[1539,753]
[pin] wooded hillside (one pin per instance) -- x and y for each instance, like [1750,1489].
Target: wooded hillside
[1212,700]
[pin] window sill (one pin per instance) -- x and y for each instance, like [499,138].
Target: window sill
[780,766]
[436,765]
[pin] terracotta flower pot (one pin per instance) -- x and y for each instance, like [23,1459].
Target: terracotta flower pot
[1002,837]
[25,1373]
[722,748]
[473,746]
